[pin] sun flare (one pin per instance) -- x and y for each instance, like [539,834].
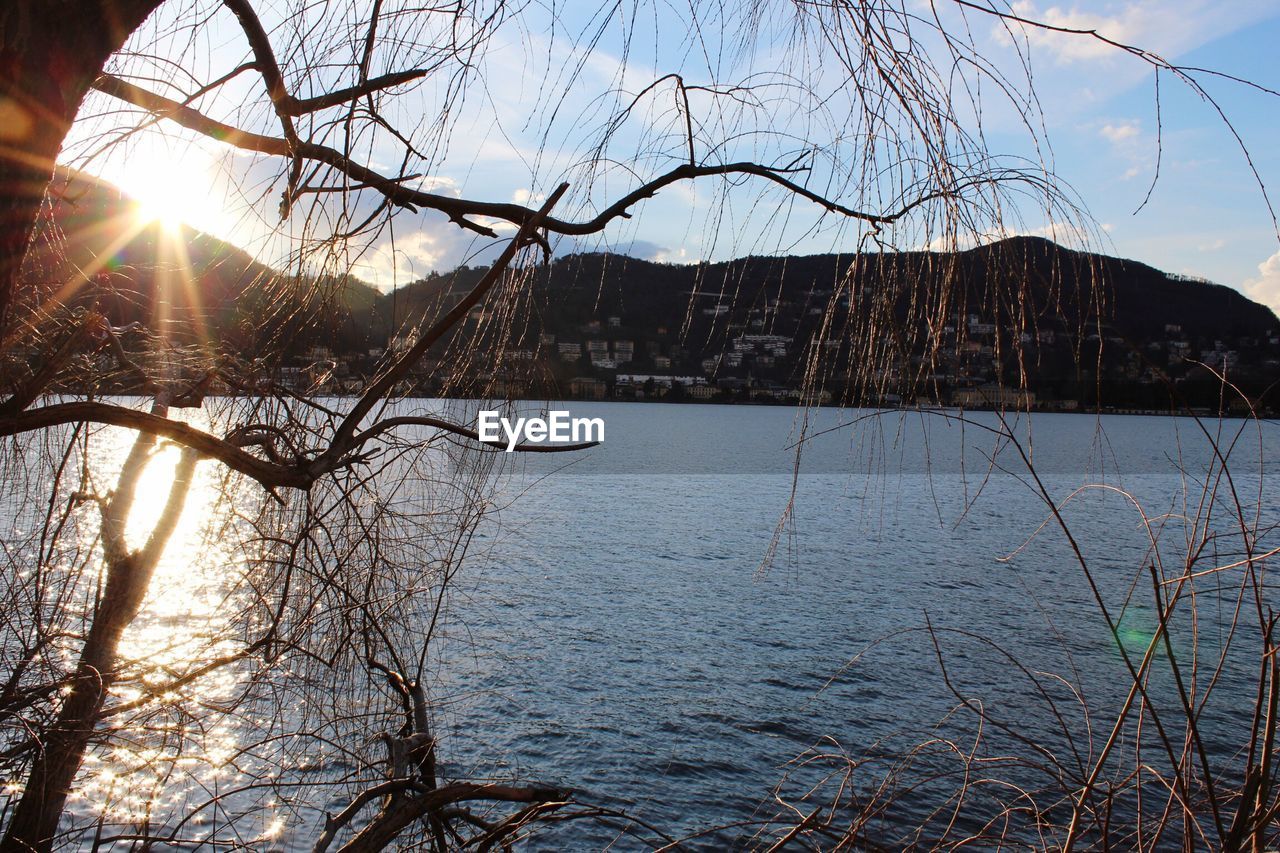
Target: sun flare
[166,196]
[160,209]
[170,183]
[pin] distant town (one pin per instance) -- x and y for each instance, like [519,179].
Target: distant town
[786,332]
[597,362]
[1018,323]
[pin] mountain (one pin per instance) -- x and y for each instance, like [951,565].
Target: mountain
[1078,329]
[1074,327]
[1071,289]
[1063,287]
[98,247]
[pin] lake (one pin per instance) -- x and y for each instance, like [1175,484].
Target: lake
[665,621]
[727,614]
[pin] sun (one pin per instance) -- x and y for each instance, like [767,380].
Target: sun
[159,206]
[169,193]
[173,183]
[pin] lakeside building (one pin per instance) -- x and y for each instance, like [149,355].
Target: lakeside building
[588,388]
[658,379]
[993,396]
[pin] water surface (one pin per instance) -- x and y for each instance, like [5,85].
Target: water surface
[665,621]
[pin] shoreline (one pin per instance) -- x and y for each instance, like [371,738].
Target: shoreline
[1128,411]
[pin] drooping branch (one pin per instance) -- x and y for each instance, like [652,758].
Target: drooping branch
[333,824]
[27,392]
[189,117]
[286,104]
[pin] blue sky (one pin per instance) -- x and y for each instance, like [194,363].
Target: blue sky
[516,135]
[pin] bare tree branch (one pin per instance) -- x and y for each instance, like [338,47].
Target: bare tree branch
[459,210]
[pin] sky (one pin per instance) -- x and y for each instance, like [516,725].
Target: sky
[548,86]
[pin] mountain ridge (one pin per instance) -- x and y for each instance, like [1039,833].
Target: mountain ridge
[954,315]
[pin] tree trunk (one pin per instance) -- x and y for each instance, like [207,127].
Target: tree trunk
[50,53]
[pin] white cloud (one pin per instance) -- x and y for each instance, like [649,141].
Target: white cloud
[499,226]
[1127,146]
[526,198]
[1165,27]
[439,184]
[1266,287]
[667,256]
[647,251]
[410,257]
[1119,132]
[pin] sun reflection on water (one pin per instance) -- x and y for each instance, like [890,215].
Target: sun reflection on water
[172,746]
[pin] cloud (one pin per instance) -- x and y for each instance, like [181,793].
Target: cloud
[647,251]
[1120,132]
[1166,27]
[410,257]
[631,247]
[1266,287]
[528,199]
[668,256]
[1130,151]
[439,184]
